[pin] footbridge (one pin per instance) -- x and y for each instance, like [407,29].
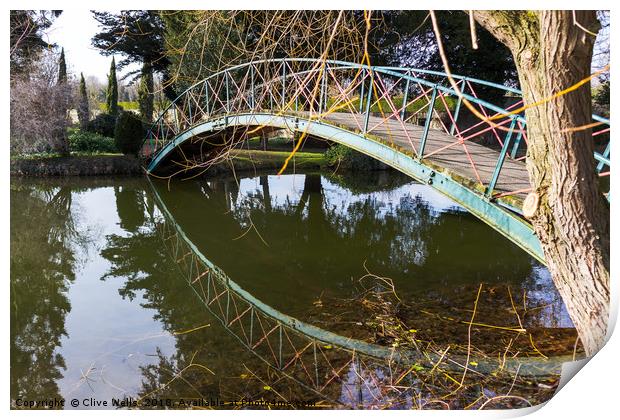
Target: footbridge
[412,120]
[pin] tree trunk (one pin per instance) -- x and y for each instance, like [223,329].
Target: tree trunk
[572,218]
[263,141]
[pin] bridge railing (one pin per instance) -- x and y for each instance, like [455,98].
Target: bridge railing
[404,107]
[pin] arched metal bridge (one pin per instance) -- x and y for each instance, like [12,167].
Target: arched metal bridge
[409,119]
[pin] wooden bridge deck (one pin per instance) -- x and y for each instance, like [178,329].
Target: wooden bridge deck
[513,175]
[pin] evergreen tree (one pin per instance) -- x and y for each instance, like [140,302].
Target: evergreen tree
[62,68]
[82,110]
[145,93]
[27,37]
[112,93]
[128,133]
[139,36]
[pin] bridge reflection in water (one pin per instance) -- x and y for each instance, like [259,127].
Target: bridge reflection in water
[336,368]
[100,310]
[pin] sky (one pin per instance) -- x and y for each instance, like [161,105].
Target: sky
[73,30]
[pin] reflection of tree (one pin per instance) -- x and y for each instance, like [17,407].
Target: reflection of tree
[370,182]
[138,256]
[320,238]
[130,207]
[148,270]
[141,259]
[43,263]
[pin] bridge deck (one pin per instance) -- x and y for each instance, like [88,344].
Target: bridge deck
[513,175]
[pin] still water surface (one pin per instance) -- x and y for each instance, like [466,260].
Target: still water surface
[99,308]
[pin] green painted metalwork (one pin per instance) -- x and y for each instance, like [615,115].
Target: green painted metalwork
[198,269]
[506,222]
[457,109]
[283,84]
[227,93]
[604,159]
[501,159]
[515,148]
[361,104]
[403,111]
[427,123]
[368,103]
[323,97]
[163,137]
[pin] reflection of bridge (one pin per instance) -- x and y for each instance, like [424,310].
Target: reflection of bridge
[314,357]
[409,119]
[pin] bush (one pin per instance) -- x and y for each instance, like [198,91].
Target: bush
[344,157]
[38,111]
[128,133]
[84,141]
[102,124]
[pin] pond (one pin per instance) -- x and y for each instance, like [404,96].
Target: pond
[103,305]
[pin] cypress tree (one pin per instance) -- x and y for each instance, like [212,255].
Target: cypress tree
[145,93]
[83,103]
[112,93]
[63,89]
[62,68]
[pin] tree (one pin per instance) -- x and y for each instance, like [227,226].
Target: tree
[137,34]
[571,217]
[66,99]
[145,93]
[82,110]
[406,38]
[128,133]
[112,92]
[27,28]
[62,68]
[601,98]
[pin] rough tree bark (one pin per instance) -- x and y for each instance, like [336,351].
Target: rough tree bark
[552,53]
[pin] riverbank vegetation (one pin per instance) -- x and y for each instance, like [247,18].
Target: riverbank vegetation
[62,127]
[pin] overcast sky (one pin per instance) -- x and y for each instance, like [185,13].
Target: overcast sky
[73,30]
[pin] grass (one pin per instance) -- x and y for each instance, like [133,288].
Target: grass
[275,159]
[37,156]
[133,105]
[397,101]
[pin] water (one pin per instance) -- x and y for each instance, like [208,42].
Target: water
[99,308]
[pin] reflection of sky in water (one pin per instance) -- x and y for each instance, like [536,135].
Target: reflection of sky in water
[366,389]
[342,199]
[287,190]
[547,308]
[108,338]
[544,295]
[284,189]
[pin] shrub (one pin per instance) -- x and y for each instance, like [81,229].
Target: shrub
[128,133]
[84,141]
[38,111]
[102,124]
[344,157]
